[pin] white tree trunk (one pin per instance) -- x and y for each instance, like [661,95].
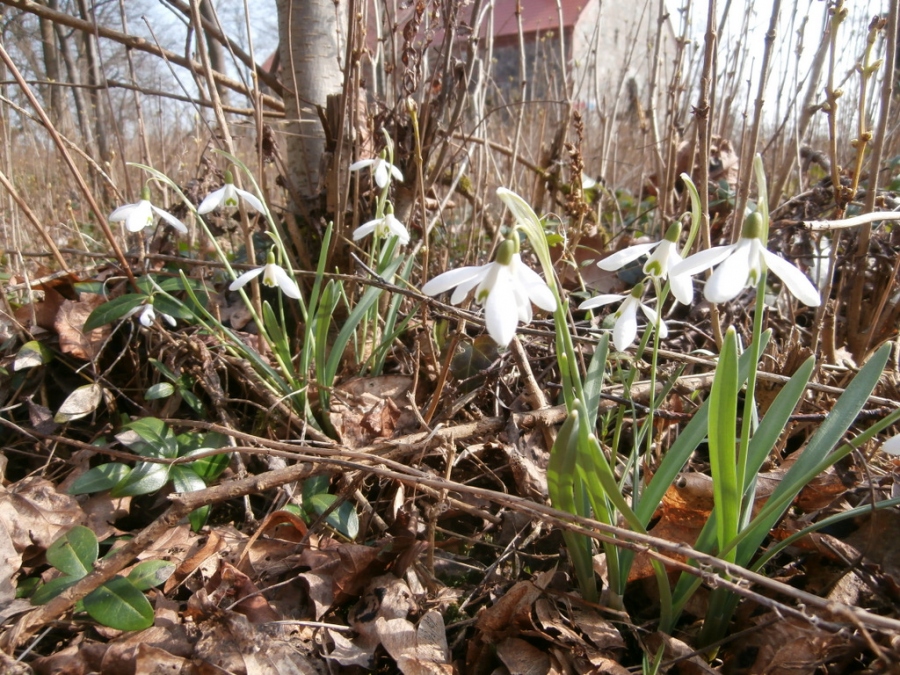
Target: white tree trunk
[313,41]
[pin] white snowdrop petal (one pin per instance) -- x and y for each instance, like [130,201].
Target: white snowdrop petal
[365,229]
[625,329]
[140,217]
[361,164]
[212,201]
[536,288]
[447,280]
[381,174]
[121,213]
[703,260]
[601,300]
[395,172]
[244,278]
[730,278]
[285,283]
[797,283]
[892,446]
[621,258]
[501,315]
[170,219]
[251,199]
[653,317]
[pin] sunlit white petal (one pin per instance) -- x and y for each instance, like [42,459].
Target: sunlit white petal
[365,229]
[891,446]
[703,260]
[653,317]
[251,199]
[212,201]
[170,219]
[283,280]
[444,282]
[621,258]
[625,329]
[797,282]
[361,164]
[601,300]
[537,289]
[501,314]
[731,277]
[242,280]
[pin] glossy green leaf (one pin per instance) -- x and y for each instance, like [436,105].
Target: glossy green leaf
[120,605]
[46,592]
[185,480]
[210,468]
[149,437]
[150,573]
[343,518]
[75,552]
[80,403]
[100,478]
[32,353]
[159,390]
[146,478]
[113,310]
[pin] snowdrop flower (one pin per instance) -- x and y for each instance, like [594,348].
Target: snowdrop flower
[742,264]
[147,315]
[659,265]
[587,183]
[227,196]
[382,169]
[625,329]
[891,446]
[506,288]
[140,215]
[273,275]
[383,227]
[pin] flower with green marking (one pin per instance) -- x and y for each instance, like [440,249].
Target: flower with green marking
[140,215]
[625,329]
[382,169]
[273,276]
[741,265]
[227,198]
[506,288]
[384,227]
[147,315]
[659,265]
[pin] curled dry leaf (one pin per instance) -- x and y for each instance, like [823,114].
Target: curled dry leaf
[69,325]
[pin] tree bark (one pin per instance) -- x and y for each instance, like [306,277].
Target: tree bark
[95,80]
[53,96]
[214,47]
[312,42]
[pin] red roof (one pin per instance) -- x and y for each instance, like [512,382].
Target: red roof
[537,15]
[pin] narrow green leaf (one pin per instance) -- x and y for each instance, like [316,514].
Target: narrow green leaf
[723,400]
[593,380]
[118,604]
[75,552]
[113,310]
[150,573]
[100,478]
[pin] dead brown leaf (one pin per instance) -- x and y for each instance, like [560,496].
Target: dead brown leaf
[69,325]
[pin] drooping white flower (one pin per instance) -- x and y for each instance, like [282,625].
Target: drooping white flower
[227,197]
[382,169]
[892,446]
[659,265]
[140,215]
[384,227]
[147,315]
[273,275]
[587,183]
[506,288]
[625,329]
[740,266]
